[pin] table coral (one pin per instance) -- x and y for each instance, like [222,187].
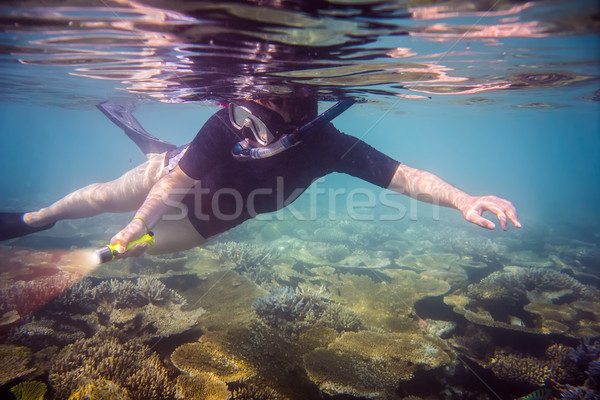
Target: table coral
[386,305]
[210,357]
[541,301]
[372,364]
[201,386]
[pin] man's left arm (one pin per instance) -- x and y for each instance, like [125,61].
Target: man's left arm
[425,186]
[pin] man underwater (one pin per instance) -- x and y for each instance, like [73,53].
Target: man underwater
[189,194]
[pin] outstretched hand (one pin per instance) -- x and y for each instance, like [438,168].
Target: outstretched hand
[474,207]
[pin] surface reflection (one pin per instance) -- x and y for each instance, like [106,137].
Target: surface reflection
[180,51]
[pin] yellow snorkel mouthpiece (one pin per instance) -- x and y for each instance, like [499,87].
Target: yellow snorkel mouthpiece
[109,252]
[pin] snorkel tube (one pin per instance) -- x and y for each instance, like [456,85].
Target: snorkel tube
[243,151]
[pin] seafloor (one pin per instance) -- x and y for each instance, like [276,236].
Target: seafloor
[287,309]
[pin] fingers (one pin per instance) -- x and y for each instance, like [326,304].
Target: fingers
[503,209]
[511,213]
[477,219]
[135,251]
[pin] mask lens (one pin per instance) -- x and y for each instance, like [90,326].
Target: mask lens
[241,117]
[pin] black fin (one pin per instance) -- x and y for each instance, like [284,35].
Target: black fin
[121,115]
[13,226]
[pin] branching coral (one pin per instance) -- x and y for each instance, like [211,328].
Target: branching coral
[146,309]
[155,292]
[336,253]
[587,358]
[291,310]
[115,293]
[555,366]
[40,333]
[249,260]
[341,318]
[27,297]
[466,245]
[105,357]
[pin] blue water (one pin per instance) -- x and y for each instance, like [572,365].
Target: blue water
[512,112]
[546,161]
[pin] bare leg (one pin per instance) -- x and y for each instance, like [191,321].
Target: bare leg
[126,193]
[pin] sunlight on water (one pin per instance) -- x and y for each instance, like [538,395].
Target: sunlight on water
[199,50]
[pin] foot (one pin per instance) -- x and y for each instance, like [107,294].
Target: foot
[13,226]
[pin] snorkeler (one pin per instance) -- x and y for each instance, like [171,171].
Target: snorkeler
[250,158]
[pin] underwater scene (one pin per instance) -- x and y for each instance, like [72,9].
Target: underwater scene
[348,290]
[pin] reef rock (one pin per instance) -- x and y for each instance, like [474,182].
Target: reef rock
[372,364]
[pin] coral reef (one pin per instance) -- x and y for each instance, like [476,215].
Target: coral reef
[587,358]
[532,300]
[211,357]
[330,235]
[15,362]
[254,392]
[159,264]
[41,333]
[129,365]
[146,309]
[522,284]
[248,259]
[25,297]
[386,304]
[99,389]
[341,318]
[115,293]
[201,386]
[555,366]
[291,311]
[467,245]
[336,253]
[34,390]
[441,329]
[372,364]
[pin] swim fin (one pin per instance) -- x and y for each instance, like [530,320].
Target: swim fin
[121,115]
[13,226]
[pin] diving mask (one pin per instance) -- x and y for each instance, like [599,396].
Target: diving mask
[241,118]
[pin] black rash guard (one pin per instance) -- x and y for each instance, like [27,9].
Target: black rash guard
[230,191]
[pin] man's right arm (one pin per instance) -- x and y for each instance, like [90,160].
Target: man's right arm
[173,185]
